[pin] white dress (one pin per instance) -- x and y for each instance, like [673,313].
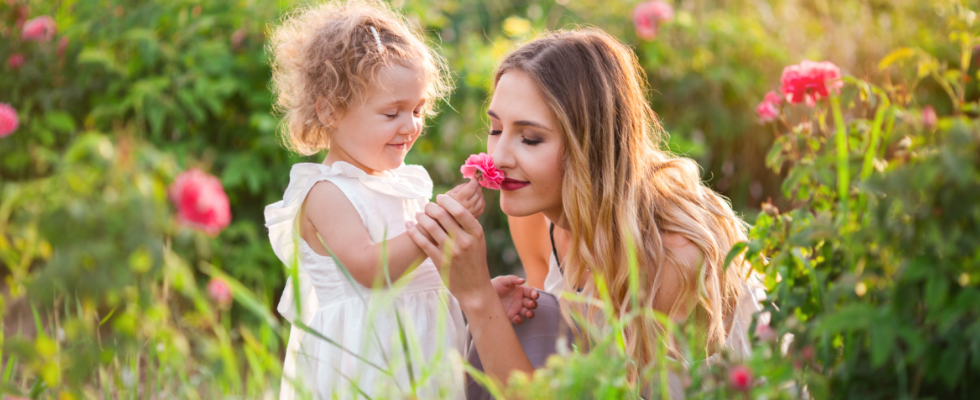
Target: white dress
[360,319]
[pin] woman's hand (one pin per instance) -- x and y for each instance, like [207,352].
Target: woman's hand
[457,240]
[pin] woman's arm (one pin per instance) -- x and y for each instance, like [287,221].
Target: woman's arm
[530,235]
[469,281]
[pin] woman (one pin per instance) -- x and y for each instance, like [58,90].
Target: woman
[573,133]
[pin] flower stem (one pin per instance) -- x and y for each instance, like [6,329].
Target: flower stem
[843,174]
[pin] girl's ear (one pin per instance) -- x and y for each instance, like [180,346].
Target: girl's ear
[325,112]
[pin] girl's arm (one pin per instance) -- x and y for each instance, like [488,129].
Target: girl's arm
[341,230]
[530,235]
[331,222]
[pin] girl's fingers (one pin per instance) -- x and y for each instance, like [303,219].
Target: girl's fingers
[529,314]
[517,320]
[459,213]
[432,228]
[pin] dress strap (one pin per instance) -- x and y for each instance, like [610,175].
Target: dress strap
[554,250]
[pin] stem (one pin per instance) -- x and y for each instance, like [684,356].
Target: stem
[843,174]
[869,155]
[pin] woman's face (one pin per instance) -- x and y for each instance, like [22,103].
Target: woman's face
[526,145]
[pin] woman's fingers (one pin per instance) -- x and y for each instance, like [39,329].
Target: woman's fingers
[464,219]
[423,242]
[444,218]
[431,227]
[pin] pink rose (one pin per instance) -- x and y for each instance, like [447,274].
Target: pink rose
[8,120]
[15,60]
[40,29]
[648,16]
[807,352]
[201,201]
[740,378]
[765,332]
[480,167]
[810,81]
[929,118]
[767,108]
[219,291]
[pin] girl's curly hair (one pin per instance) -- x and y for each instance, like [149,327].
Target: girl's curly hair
[328,53]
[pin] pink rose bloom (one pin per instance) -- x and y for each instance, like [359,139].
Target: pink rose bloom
[219,291]
[15,61]
[810,81]
[480,167]
[767,108]
[648,16]
[40,29]
[8,120]
[929,118]
[201,201]
[740,378]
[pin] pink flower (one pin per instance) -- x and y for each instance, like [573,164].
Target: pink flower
[740,378]
[480,167]
[219,291]
[929,117]
[807,352]
[201,201]
[765,332]
[648,16]
[15,60]
[62,46]
[810,81]
[8,120]
[40,29]
[767,108]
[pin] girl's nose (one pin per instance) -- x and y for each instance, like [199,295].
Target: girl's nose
[503,157]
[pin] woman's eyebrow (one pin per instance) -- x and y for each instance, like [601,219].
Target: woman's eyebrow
[521,122]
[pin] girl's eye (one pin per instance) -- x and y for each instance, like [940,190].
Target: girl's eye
[391,116]
[495,133]
[418,113]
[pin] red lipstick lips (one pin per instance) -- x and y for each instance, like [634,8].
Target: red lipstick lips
[511,184]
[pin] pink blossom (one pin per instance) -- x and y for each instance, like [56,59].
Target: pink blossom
[8,120]
[480,167]
[219,291]
[648,16]
[765,332]
[767,108]
[740,378]
[62,46]
[40,29]
[810,81]
[15,60]
[928,117]
[201,201]
[807,352]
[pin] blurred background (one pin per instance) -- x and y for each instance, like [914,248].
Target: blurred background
[124,95]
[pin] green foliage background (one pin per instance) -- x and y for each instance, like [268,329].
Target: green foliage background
[146,89]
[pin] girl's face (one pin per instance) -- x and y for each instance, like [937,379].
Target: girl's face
[376,131]
[526,145]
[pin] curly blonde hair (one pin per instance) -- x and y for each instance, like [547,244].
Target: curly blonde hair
[328,53]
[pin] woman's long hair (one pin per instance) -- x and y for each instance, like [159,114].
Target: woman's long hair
[621,187]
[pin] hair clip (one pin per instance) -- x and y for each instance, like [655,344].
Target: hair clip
[377,38]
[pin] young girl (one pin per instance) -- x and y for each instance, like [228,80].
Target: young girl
[354,79]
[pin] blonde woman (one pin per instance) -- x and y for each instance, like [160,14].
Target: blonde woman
[572,130]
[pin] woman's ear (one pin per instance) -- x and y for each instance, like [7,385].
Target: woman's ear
[325,112]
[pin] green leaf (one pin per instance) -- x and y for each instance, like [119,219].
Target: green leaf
[895,56]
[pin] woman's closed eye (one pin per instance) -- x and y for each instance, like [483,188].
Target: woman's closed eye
[390,116]
[530,142]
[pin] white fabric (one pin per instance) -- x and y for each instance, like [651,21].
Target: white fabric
[361,319]
[738,341]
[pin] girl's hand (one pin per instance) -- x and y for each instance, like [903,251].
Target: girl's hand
[518,299]
[470,196]
[457,241]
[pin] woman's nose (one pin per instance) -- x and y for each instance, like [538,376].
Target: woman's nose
[500,152]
